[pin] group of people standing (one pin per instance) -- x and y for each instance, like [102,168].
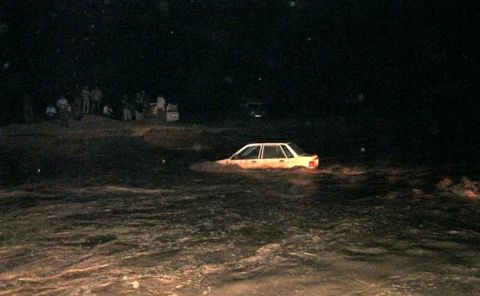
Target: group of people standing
[135,107]
[89,101]
[85,101]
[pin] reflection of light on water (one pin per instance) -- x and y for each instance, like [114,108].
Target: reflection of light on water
[284,183]
[133,189]
[466,188]
[213,167]
[5,194]
[294,175]
[111,189]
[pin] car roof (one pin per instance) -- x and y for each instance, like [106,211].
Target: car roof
[268,143]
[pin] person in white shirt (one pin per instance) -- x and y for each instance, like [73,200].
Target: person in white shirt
[161,103]
[51,111]
[107,110]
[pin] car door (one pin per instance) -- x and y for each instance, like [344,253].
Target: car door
[247,158]
[273,157]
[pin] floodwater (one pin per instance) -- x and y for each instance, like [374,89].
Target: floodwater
[121,218]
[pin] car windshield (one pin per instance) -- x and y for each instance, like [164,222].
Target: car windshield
[297,149]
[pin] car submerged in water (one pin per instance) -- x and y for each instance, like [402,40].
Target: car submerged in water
[271,156]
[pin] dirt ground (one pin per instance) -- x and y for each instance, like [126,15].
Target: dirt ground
[108,208]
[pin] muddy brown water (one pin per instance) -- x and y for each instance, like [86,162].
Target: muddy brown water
[125,217]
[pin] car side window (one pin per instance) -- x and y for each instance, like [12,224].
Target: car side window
[248,153]
[273,152]
[287,151]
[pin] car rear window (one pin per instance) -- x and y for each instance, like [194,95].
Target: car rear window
[287,151]
[297,149]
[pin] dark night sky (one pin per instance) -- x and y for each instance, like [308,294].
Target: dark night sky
[302,57]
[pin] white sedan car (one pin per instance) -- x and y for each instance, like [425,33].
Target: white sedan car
[271,156]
